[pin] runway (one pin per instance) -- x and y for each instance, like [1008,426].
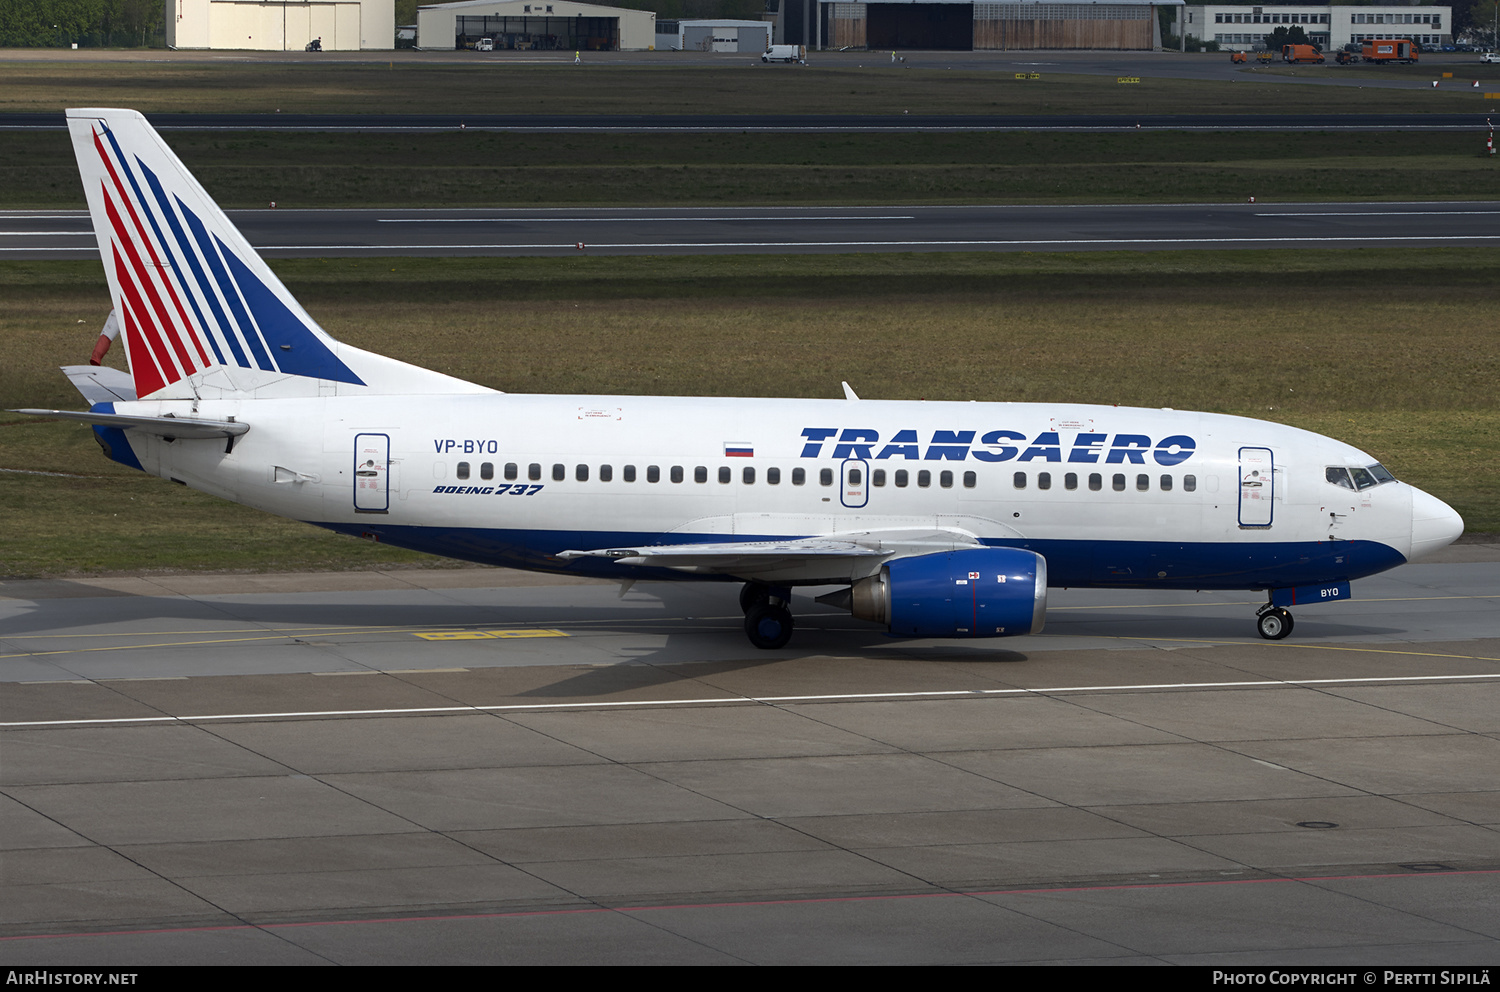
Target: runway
[480,766]
[800,230]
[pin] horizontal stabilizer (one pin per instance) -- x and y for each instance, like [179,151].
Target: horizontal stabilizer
[100,383]
[170,427]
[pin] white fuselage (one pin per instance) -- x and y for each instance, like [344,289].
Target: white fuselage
[519,478]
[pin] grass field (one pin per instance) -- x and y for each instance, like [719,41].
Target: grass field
[1392,350]
[488,169]
[407,86]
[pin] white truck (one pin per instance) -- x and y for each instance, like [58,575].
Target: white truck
[782,53]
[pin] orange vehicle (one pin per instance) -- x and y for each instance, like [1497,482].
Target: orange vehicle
[1300,53]
[1390,50]
[1237,57]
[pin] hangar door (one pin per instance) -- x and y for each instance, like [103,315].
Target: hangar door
[283,27]
[920,25]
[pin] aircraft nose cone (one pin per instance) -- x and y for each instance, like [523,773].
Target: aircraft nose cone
[1434,524]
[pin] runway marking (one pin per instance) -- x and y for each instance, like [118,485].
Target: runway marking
[1388,213]
[777,218]
[777,700]
[46,234]
[757,903]
[481,635]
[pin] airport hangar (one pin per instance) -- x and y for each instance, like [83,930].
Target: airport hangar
[524,25]
[1119,25]
[343,25]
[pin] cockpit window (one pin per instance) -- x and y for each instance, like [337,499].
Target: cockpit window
[1354,477]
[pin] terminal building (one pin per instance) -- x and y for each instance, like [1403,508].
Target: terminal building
[528,25]
[1244,28]
[1005,25]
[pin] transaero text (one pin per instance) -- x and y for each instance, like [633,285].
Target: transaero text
[996,446]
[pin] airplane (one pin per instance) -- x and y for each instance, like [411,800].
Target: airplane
[933,519]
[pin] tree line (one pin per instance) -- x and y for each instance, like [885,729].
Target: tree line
[86,23]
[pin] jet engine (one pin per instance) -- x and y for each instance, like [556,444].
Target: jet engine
[982,592]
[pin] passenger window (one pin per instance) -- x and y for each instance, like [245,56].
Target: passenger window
[463,470]
[676,473]
[970,480]
[1118,482]
[629,474]
[1018,480]
[511,471]
[924,478]
[1142,483]
[1096,482]
[487,470]
[1070,481]
[877,477]
[773,476]
[534,471]
[582,473]
[1166,483]
[854,476]
[606,473]
[825,477]
[1189,483]
[559,473]
[799,476]
[725,476]
[748,476]
[1044,480]
[901,478]
[700,474]
[945,479]
[653,473]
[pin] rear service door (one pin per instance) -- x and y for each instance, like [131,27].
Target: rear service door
[372,464]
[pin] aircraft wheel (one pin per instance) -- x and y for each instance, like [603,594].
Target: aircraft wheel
[768,627]
[1275,624]
[753,594]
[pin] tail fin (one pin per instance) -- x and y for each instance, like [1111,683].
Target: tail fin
[201,313]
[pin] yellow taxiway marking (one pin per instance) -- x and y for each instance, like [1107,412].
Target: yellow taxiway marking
[485,635]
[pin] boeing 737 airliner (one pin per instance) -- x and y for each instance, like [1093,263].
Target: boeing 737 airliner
[934,519]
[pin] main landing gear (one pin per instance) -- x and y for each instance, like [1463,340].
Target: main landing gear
[768,623]
[1272,622]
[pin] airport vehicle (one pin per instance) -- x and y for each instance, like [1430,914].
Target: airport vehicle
[1237,57]
[1390,50]
[1490,57]
[1264,58]
[782,53]
[484,45]
[932,519]
[1346,58]
[1301,54]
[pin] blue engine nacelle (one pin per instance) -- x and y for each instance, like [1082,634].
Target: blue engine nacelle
[982,592]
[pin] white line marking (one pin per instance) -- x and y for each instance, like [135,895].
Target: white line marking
[757,700]
[46,234]
[1391,213]
[617,220]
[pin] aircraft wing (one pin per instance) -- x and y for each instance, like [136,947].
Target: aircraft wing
[173,427]
[835,557]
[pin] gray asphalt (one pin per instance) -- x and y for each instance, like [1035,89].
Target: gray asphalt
[476,766]
[792,230]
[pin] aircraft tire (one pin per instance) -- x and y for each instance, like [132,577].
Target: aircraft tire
[752,594]
[1275,624]
[768,627]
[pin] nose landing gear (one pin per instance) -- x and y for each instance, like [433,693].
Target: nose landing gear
[1272,622]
